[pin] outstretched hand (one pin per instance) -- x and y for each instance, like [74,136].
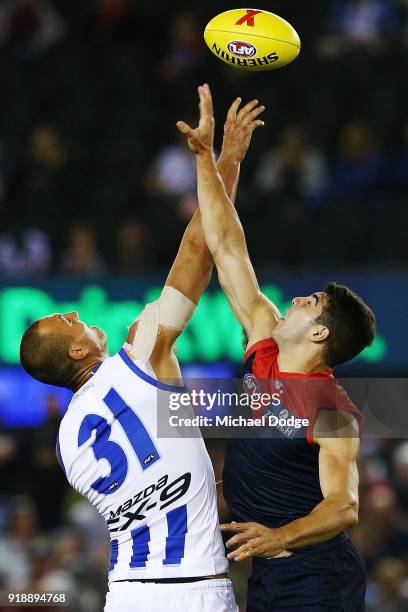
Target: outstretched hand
[201,139]
[239,127]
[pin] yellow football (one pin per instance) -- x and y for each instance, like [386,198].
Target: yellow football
[251,39]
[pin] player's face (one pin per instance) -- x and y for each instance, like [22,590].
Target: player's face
[91,337]
[300,317]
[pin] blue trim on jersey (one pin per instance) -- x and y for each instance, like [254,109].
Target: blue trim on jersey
[59,456]
[95,369]
[134,428]
[114,554]
[141,550]
[152,381]
[176,540]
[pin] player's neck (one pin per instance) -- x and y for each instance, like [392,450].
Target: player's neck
[83,376]
[294,359]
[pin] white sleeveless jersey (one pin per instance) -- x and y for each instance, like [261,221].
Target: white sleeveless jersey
[157,495]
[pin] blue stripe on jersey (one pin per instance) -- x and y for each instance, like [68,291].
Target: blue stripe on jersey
[136,432]
[152,381]
[141,550]
[104,448]
[59,456]
[177,529]
[114,554]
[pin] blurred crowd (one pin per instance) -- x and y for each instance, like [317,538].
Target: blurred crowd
[50,539]
[58,542]
[94,178]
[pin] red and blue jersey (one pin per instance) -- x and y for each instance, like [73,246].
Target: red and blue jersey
[274,479]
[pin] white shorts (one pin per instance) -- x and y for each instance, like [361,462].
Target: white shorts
[204,596]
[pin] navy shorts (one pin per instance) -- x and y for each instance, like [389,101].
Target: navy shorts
[330,580]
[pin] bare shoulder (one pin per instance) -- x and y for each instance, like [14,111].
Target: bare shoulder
[163,360]
[164,340]
[336,424]
[337,433]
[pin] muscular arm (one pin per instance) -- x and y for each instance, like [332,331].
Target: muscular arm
[190,273]
[339,484]
[223,230]
[191,270]
[226,240]
[339,509]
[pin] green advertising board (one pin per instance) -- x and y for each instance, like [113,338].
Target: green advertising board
[213,334]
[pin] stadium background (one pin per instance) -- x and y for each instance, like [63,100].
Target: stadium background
[96,189]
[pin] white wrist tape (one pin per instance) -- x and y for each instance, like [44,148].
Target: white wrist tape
[172,310]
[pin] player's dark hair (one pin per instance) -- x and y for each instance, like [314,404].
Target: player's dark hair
[45,356]
[350,321]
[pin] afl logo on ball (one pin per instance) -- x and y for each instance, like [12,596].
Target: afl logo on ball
[241,49]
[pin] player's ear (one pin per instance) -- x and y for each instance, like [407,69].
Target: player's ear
[77,352]
[318,333]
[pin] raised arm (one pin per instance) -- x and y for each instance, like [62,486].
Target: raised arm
[192,267]
[191,270]
[222,228]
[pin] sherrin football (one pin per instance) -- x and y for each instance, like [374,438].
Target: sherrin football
[251,39]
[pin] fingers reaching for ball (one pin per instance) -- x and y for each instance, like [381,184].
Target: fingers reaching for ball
[206,104]
[239,127]
[233,110]
[201,138]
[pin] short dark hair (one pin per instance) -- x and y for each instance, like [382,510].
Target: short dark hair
[350,321]
[45,356]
